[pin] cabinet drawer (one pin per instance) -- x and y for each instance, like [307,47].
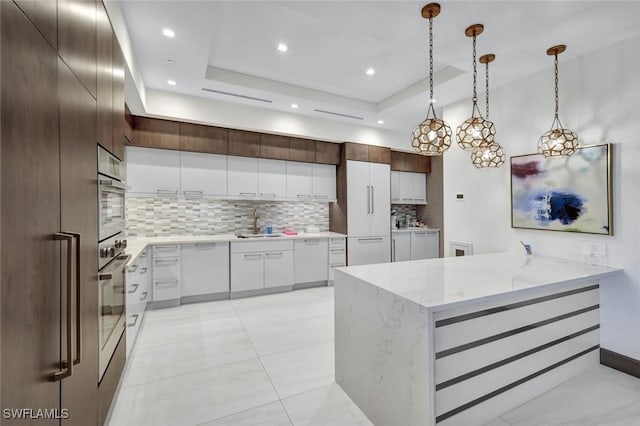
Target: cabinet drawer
[166,289]
[278,268]
[166,267]
[166,251]
[262,245]
[331,270]
[337,255]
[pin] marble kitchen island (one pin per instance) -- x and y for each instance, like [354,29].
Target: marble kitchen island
[462,340]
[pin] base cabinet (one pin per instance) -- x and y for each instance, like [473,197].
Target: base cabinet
[247,271]
[166,273]
[400,246]
[258,265]
[425,245]
[137,288]
[337,255]
[204,271]
[278,268]
[369,250]
[311,257]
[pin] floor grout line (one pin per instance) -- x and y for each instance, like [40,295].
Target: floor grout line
[236,413]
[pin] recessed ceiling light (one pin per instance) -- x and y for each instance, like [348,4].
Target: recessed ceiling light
[171,82]
[380,121]
[168,33]
[283,47]
[171,61]
[294,106]
[370,71]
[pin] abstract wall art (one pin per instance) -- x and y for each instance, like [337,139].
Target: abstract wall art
[571,194]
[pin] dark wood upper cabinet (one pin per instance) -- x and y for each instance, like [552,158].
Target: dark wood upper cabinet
[356,151]
[244,144]
[105,79]
[43,14]
[379,154]
[118,100]
[327,153]
[77,39]
[303,150]
[409,162]
[155,133]
[128,125]
[397,160]
[423,163]
[274,146]
[198,138]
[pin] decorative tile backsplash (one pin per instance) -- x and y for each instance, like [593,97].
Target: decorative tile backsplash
[404,209]
[170,216]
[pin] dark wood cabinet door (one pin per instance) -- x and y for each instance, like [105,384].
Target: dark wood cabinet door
[274,146]
[209,139]
[77,39]
[44,15]
[410,162]
[154,133]
[105,79]
[303,150]
[379,154]
[423,164]
[79,214]
[397,160]
[356,151]
[327,153]
[30,179]
[118,101]
[109,383]
[128,125]
[244,144]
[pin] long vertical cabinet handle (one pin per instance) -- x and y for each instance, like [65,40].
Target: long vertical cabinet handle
[368,200]
[373,200]
[67,366]
[78,330]
[393,249]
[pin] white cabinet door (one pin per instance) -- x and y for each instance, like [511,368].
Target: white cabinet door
[203,174]
[242,177]
[406,188]
[395,187]
[299,181]
[424,245]
[272,178]
[324,182]
[368,250]
[400,246]
[311,260]
[380,200]
[278,268]
[247,271]
[358,199]
[153,171]
[419,188]
[204,269]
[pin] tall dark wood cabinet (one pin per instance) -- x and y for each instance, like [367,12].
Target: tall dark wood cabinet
[48,216]
[104,97]
[30,191]
[118,101]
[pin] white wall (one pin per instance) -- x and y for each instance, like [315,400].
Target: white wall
[600,101]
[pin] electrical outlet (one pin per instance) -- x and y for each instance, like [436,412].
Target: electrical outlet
[594,249]
[460,196]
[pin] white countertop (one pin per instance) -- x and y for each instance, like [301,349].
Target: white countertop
[413,229]
[455,281]
[135,245]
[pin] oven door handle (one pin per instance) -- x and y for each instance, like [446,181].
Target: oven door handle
[112,183]
[116,265]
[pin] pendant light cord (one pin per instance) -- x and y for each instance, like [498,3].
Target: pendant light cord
[555,63]
[475,81]
[487,88]
[431,108]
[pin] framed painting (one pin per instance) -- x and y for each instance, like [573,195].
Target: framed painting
[571,194]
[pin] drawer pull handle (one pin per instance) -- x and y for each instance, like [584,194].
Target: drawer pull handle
[314,242]
[248,194]
[370,239]
[144,295]
[337,250]
[321,197]
[169,282]
[166,261]
[135,288]
[304,196]
[143,271]
[253,256]
[166,247]
[270,195]
[135,320]
[205,245]
[272,254]
[133,269]
[167,192]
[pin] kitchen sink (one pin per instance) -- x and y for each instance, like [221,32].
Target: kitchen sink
[259,235]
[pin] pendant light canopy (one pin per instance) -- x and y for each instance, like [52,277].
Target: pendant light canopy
[558,141]
[432,136]
[475,132]
[493,155]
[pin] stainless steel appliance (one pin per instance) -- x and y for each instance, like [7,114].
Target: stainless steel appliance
[111,257]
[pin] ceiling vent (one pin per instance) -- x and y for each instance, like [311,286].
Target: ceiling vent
[339,114]
[237,95]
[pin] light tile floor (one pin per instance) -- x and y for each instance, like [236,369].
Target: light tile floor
[269,361]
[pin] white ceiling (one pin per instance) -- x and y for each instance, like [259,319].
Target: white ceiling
[230,46]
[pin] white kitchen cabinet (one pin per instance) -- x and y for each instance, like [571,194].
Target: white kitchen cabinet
[299,181]
[166,273]
[368,199]
[272,178]
[278,268]
[419,186]
[395,187]
[369,250]
[203,174]
[324,182]
[137,296]
[425,245]
[153,171]
[205,269]
[380,196]
[242,177]
[400,246]
[408,188]
[311,259]
[337,255]
[247,271]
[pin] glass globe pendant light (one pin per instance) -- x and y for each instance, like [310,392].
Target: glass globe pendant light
[558,141]
[493,155]
[475,132]
[432,136]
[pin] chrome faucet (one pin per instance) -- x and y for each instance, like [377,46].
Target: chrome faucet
[255,221]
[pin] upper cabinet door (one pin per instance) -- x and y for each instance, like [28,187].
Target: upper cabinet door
[406,187]
[327,153]
[272,178]
[77,40]
[203,174]
[274,146]
[153,171]
[395,188]
[118,100]
[197,138]
[380,199]
[324,182]
[154,133]
[299,181]
[245,144]
[419,188]
[105,79]
[242,175]
[302,150]
[44,15]
[358,199]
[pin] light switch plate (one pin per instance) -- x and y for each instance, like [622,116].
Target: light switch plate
[460,196]
[594,249]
